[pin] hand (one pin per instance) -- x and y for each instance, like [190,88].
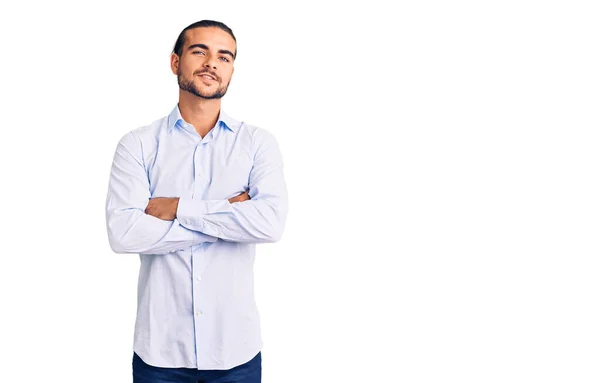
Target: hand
[163,208]
[240,198]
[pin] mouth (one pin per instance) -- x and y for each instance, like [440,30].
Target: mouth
[209,77]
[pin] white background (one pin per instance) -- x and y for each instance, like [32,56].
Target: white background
[441,159]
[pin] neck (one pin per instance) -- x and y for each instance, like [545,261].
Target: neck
[201,113]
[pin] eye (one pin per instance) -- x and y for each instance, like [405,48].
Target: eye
[224,58]
[197,52]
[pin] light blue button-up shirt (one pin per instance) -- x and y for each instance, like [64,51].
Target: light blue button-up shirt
[196,305]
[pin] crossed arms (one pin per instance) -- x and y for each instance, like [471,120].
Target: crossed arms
[139,224]
[166,208]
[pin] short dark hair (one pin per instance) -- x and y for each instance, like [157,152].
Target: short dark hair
[178,48]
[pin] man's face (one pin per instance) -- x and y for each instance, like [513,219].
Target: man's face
[206,63]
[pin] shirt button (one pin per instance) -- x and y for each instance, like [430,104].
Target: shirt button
[199,312]
[199,278]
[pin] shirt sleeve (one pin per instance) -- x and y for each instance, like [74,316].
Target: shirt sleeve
[130,229]
[258,220]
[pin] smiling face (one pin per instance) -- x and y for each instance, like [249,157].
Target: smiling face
[205,66]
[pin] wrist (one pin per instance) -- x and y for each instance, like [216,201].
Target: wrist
[175,206]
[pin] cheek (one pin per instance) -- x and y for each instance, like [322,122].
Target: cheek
[226,78]
[186,69]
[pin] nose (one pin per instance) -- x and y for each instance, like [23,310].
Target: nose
[210,62]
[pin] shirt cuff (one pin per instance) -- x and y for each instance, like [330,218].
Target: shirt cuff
[190,212]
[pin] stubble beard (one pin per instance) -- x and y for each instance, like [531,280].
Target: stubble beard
[189,86]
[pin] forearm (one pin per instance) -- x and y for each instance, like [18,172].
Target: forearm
[258,220]
[252,221]
[130,231]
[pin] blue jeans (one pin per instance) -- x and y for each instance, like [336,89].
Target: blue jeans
[249,372]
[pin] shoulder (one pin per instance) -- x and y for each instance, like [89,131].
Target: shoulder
[250,134]
[258,135]
[151,130]
[144,135]
[263,142]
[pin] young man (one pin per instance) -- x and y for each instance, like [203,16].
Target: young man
[192,193]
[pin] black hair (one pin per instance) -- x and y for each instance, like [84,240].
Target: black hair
[178,48]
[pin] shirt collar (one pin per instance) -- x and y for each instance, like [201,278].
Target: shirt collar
[174,119]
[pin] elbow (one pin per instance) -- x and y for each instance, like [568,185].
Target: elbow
[121,243]
[272,237]
[116,247]
[267,232]
[115,240]
[120,246]
[122,237]
[275,231]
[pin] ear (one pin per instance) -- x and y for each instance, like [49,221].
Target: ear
[174,63]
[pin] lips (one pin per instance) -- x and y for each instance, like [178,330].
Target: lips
[208,76]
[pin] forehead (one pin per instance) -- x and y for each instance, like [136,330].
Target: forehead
[212,37]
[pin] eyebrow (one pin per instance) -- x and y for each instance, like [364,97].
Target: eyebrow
[204,46]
